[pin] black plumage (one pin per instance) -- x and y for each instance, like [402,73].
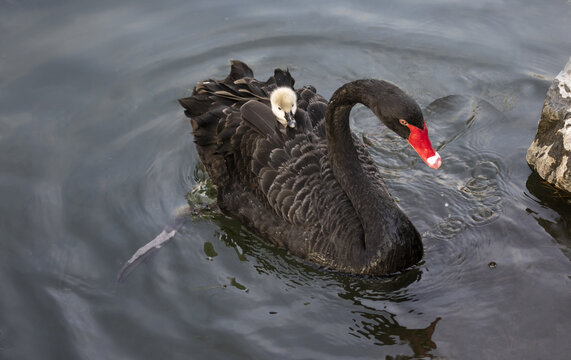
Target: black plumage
[314,189]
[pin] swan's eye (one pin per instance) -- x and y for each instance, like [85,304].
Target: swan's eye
[279,108]
[403,122]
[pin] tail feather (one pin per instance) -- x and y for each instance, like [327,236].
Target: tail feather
[238,70]
[195,105]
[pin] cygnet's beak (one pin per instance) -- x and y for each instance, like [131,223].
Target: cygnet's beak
[290,119]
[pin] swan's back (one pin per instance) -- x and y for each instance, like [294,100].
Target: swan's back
[234,128]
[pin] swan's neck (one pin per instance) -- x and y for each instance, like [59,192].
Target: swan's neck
[342,151]
[385,227]
[345,163]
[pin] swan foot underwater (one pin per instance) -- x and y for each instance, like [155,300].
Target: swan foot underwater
[286,165]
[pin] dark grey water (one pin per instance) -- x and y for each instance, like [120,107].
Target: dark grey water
[95,155]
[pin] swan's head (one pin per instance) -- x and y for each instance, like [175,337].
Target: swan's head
[284,105]
[403,115]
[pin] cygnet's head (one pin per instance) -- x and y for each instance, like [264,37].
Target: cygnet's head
[284,105]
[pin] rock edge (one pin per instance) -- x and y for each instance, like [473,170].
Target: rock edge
[550,152]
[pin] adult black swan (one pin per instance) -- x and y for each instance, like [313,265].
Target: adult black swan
[288,167]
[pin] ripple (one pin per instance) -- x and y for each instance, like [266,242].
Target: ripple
[450,227]
[485,169]
[473,183]
[485,190]
[484,215]
[476,186]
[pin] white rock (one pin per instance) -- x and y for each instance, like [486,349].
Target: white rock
[550,152]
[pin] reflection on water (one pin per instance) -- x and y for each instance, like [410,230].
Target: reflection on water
[383,329]
[559,227]
[379,325]
[371,319]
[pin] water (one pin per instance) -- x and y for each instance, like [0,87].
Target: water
[96,154]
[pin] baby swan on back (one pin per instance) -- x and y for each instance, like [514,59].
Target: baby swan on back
[284,105]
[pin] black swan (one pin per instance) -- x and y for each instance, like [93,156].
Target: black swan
[289,168]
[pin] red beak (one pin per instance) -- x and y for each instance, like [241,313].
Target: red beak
[420,142]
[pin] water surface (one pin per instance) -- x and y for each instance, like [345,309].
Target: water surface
[96,155]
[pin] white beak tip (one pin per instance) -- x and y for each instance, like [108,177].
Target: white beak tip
[435,161]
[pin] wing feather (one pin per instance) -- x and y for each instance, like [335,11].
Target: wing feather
[260,117]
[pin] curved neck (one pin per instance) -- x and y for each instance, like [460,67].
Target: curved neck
[342,151]
[343,154]
[385,227]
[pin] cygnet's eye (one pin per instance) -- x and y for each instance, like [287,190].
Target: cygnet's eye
[279,108]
